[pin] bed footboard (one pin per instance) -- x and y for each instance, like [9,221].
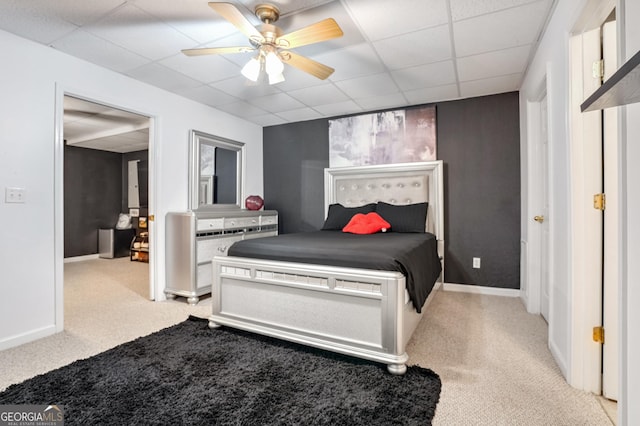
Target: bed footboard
[357,312]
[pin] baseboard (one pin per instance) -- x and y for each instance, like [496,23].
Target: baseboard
[81,258]
[27,337]
[478,289]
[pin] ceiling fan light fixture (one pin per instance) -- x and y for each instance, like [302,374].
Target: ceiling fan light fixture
[251,70]
[276,78]
[273,64]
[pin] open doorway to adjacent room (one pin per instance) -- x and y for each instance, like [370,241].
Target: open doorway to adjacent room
[106,192]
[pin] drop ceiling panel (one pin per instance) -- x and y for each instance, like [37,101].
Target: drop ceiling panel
[339,108]
[462,9]
[205,69]
[242,109]
[487,86]
[319,95]
[430,75]
[393,100]
[302,114]
[242,88]
[32,23]
[381,19]
[141,33]
[208,95]
[486,33]
[415,48]
[365,87]
[276,102]
[493,64]
[432,94]
[99,51]
[351,62]
[163,77]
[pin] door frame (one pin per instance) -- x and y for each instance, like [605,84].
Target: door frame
[533,288]
[58,192]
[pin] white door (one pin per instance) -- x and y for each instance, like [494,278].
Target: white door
[543,218]
[611,226]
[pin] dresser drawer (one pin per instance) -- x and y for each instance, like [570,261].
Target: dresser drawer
[240,222]
[269,220]
[207,248]
[209,224]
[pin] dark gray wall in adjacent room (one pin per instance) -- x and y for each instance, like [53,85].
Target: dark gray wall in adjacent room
[95,193]
[92,197]
[478,141]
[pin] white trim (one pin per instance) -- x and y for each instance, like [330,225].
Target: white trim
[30,336]
[479,289]
[81,258]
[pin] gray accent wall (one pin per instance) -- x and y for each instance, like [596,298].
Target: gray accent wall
[95,193]
[479,143]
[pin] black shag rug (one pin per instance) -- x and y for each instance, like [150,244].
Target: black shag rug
[189,374]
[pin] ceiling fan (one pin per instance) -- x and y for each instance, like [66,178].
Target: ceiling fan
[271,44]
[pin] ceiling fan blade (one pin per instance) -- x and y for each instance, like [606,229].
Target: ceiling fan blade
[314,33]
[233,15]
[307,65]
[217,50]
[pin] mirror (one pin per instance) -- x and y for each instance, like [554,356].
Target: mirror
[215,172]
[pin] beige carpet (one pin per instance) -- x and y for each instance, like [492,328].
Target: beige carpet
[490,353]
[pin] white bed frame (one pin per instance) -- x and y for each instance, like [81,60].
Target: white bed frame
[357,312]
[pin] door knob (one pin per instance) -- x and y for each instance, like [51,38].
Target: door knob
[538,219]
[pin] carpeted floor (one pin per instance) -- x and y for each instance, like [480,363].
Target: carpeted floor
[490,354]
[190,374]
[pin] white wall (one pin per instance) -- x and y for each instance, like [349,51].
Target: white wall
[552,61]
[32,77]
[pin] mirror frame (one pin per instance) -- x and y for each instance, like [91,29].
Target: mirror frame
[197,139]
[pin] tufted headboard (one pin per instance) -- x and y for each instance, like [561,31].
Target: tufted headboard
[400,184]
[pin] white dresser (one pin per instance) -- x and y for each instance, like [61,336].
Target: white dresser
[194,238]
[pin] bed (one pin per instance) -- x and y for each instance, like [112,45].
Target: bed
[343,305]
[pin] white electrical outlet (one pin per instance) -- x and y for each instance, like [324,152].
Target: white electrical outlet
[15,195]
[476,262]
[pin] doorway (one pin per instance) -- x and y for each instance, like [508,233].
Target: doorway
[95,145]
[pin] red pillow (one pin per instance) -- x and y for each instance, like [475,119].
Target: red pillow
[369,223]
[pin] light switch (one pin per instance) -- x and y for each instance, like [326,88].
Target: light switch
[15,195]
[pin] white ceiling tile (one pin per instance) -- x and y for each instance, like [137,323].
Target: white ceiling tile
[392,100]
[432,94]
[430,75]
[163,77]
[351,62]
[339,108]
[141,33]
[194,18]
[208,95]
[487,33]
[325,94]
[205,69]
[276,102]
[245,89]
[351,35]
[384,18]
[302,114]
[268,120]
[486,65]
[488,86]
[32,23]
[242,109]
[364,87]
[296,79]
[99,51]
[416,48]
[462,9]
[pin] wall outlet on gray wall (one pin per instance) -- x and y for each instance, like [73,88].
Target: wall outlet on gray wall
[476,262]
